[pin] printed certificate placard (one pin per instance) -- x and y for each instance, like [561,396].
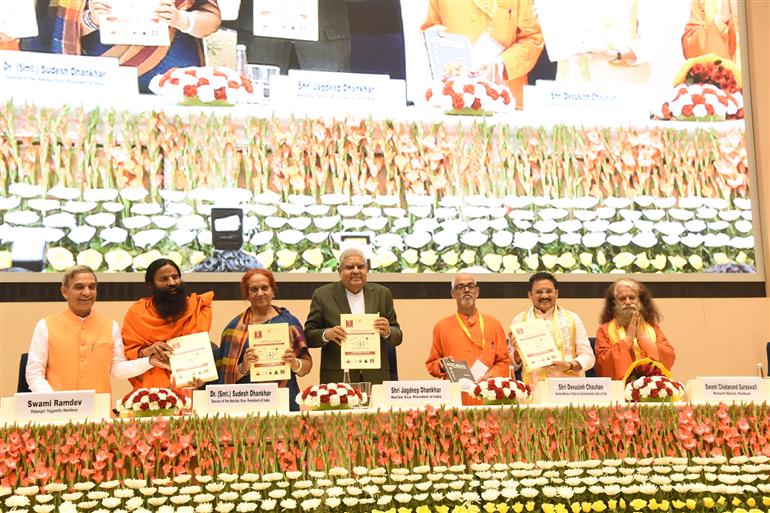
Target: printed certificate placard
[269,341]
[132,22]
[192,358]
[536,345]
[297,19]
[361,348]
[18,19]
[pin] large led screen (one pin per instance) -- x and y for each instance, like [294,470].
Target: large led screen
[591,136]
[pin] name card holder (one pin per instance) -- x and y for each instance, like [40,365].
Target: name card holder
[578,391]
[728,389]
[398,395]
[69,78]
[341,92]
[74,405]
[257,398]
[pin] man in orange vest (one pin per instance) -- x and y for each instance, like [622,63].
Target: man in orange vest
[78,348]
[169,312]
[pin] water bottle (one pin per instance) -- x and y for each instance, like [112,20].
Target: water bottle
[240,60]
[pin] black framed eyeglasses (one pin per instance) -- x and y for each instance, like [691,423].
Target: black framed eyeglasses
[460,287]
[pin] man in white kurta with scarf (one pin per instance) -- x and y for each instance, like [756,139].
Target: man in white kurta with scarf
[569,333]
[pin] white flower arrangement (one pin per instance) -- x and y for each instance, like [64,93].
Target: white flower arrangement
[653,388]
[466,95]
[331,396]
[152,401]
[202,86]
[701,102]
[502,390]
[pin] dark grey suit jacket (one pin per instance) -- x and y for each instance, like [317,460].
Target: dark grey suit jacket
[330,53]
[329,301]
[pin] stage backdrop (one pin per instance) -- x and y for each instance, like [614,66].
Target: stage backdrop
[592,147]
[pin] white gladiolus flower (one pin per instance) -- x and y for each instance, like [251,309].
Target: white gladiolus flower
[742,203]
[692,240]
[60,258]
[521,215]
[522,225]
[545,226]
[181,237]
[17,501]
[621,227]
[570,225]
[499,223]
[135,194]
[645,240]
[475,239]
[22,217]
[585,215]
[665,202]
[598,225]
[742,242]
[226,507]
[553,213]
[67,507]
[417,240]
[630,215]
[60,220]
[614,202]
[571,239]
[743,226]
[101,219]
[138,222]
[148,238]
[706,213]
[178,209]
[605,213]
[349,210]
[517,202]
[146,209]
[111,502]
[690,202]
[290,237]
[402,498]
[9,203]
[620,240]
[203,498]
[25,190]
[525,240]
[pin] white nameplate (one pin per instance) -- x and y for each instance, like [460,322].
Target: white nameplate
[628,103]
[31,75]
[417,392]
[732,388]
[245,399]
[350,91]
[55,405]
[263,395]
[580,389]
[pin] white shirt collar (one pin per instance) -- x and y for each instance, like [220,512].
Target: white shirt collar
[356,301]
